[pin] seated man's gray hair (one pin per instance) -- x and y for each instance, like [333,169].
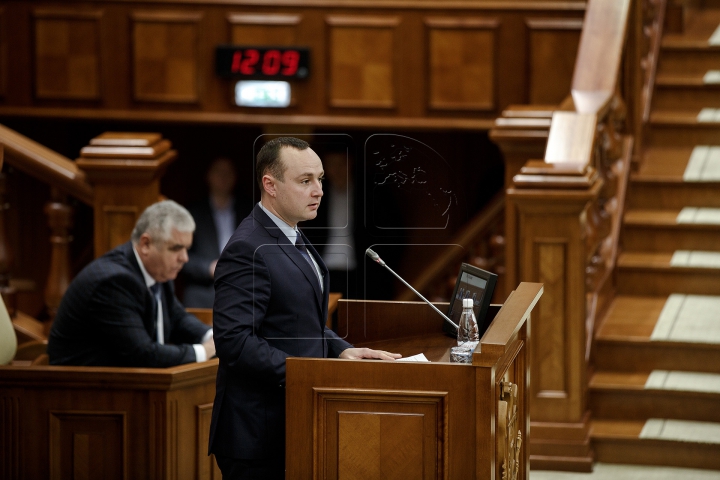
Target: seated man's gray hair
[160,218]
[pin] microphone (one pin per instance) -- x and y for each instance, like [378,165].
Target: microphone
[376,258]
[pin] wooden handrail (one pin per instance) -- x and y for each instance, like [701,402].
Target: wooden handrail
[655,33]
[599,55]
[44,164]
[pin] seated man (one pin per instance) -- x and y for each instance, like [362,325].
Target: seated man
[121,309]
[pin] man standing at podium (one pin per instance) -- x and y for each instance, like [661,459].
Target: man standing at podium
[271,302]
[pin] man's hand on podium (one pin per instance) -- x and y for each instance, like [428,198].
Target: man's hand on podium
[357,353]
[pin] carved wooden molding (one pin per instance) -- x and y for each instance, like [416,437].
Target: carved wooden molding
[509,437]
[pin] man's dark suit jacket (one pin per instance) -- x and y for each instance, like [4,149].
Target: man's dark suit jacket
[268,306]
[108,318]
[199,291]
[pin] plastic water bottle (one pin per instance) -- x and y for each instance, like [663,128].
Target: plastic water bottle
[468,335]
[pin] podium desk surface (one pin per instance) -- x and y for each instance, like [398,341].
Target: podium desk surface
[435,347]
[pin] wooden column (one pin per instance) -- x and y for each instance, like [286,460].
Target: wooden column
[555,228]
[60,220]
[125,171]
[521,133]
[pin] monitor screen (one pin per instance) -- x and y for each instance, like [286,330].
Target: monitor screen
[475,283]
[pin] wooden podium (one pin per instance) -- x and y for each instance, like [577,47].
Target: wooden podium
[368,420]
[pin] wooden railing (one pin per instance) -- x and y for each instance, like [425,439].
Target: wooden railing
[564,212]
[522,132]
[66,179]
[117,175]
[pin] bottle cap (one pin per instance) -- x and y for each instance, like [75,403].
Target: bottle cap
[467,302]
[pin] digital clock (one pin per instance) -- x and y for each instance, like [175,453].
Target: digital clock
[268,63]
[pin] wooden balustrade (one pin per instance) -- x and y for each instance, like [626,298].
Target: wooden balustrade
[60,219]
[118,175]
[563,217]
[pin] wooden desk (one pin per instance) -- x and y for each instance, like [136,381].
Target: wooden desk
[394,420]
[109,423]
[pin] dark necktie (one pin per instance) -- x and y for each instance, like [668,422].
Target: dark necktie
[156,290]
[300,245]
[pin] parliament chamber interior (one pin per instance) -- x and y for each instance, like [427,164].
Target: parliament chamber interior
[570,147]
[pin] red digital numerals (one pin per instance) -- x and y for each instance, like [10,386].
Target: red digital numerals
[270,62]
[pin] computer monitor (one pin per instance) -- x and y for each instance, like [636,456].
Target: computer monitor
[478,284]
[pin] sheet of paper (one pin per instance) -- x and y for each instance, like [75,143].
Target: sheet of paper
[415,358]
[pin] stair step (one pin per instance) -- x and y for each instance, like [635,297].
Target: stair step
[663,273]
[690,127]
[687,94]
[688,79]
[612,471]
[676,177]
[694,59]
[689,228]
[671,332]
[660,393]
[700,25]
[657,441]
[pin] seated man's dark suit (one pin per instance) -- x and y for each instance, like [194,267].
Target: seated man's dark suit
[108,317]
[268,306]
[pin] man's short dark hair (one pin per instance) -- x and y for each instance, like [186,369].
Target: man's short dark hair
[268,158]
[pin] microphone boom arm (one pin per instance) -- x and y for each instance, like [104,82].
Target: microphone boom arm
[377,259]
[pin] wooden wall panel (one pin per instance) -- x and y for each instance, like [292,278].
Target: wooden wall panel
[553,46]
[442,65]
[118,221]
[461,64]
[88,445]
[548,357]
[264,29]
[371,436]
[207,467]
[67,54]
[165,56]
[381,434]
[362,61]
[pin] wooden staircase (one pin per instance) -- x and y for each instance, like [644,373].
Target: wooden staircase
[655,390]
